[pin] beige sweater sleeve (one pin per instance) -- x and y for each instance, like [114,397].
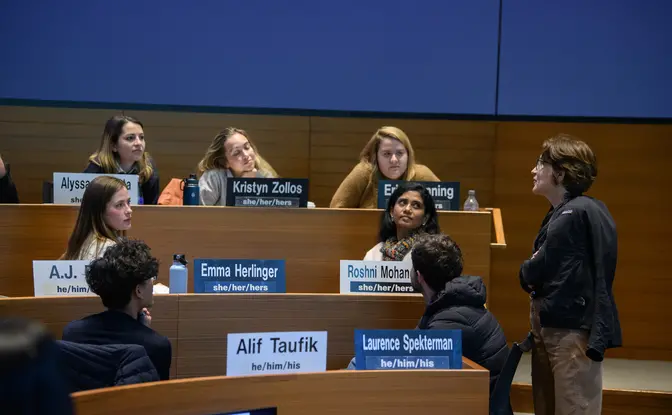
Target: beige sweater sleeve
[350,191]
[424,174]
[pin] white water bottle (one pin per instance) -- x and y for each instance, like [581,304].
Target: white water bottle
[178,275]
[471,203]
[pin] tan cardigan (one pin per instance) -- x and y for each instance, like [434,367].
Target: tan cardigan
[359,191]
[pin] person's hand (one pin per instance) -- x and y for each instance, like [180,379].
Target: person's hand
[3,170]
[251,173]
[145,317]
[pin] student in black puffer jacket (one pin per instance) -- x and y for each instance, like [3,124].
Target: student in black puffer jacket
[456,302]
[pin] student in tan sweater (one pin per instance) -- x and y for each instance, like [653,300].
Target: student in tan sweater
[387,156]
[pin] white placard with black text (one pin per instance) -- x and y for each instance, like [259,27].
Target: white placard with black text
[69,187]
[276,353]
[376,277]
[62,278]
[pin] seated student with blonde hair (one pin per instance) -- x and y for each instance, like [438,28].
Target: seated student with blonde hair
[410,213]
[122,151]
[387,156]
[231,154]
[104,217]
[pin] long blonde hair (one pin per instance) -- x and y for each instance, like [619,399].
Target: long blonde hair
[369,154]
[216,159]
[106,158]
[91,217]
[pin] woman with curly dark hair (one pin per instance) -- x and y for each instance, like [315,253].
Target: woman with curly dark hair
[123,278]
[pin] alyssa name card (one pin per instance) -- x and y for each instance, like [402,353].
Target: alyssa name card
[376,277]
[69,187]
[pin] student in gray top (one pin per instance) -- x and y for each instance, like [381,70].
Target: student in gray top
[231,154]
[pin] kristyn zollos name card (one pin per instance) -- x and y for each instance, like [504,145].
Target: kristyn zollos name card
[276,353]
[262,192]
[408,349]
[60,278]
[376,277]
[230,276]
[69,187]
[446,195]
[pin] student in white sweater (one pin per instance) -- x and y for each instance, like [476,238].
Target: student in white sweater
[410,213]
[104,217]
[231,154]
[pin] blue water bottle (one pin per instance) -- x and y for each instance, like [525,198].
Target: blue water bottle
[178,275]
[190,191]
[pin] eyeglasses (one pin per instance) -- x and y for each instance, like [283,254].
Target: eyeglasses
[540,163]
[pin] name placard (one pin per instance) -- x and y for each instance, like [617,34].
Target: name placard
[376,277]
[69,187]
[60,278]
[229,276]
[446,195]
[408,349]
[264,192]
[279,352]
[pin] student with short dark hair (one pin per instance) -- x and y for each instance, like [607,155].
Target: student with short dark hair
[123,279]
[8,193]
[570,277]
[457,302]
[410,213]
[122,151]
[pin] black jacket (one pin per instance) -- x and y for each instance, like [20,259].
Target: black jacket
[150,188]
[573,272]
[91,366]
[8,193]
[116,327]
[461,306]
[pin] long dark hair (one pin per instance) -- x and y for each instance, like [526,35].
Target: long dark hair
[431,220]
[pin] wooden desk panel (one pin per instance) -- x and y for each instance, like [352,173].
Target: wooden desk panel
[202,341]
[312,241]
[458,392]
[197,324]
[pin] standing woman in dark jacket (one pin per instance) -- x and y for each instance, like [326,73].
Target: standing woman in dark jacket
[122,151]
[8,193]
[569,278]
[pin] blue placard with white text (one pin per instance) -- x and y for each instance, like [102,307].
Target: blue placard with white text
[265,192]
[231,276]
[446,195]
[408,349]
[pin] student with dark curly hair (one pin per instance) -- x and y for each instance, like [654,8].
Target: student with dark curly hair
[123,279]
